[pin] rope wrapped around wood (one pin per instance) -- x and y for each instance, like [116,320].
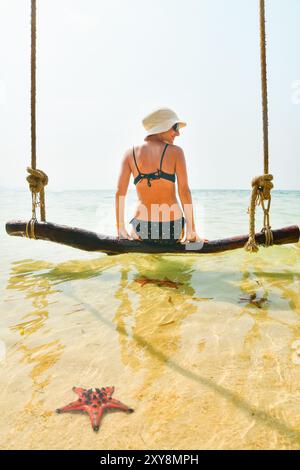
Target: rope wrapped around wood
[261,192]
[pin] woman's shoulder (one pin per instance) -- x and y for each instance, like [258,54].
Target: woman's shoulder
[177,152]
[143,149]
[176,148]
[161,145]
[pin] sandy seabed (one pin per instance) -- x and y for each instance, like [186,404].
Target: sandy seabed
[202,366]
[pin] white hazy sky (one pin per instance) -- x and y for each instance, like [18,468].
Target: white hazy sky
[102,65]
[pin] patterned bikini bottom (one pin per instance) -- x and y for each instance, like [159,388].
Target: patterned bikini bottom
[157,232]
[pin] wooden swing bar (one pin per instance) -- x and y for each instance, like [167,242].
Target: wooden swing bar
[91,241]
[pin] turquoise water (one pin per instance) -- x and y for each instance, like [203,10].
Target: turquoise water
[179,337]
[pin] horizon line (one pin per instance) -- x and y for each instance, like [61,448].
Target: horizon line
[132,189]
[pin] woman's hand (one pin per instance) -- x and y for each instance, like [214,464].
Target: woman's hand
[192,236]
[123,234]
[134,235]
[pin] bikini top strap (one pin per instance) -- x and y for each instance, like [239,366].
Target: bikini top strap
[135,162]
[162,157]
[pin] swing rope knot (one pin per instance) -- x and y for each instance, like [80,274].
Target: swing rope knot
[264,185]
[37,180]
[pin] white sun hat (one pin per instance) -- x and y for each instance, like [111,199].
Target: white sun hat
[161,120]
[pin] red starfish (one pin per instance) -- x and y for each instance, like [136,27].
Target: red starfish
[94,403]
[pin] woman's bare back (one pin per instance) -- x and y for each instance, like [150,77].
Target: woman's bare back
[156,202]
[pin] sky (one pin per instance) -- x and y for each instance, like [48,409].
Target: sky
[103,65]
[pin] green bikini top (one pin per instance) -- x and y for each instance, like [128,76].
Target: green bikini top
[156,174]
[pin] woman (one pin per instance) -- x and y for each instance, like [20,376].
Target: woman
[154,166]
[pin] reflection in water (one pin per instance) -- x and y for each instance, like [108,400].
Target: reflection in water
[41,359]
[28,276]
[25,276]
[148,342]
[280,290]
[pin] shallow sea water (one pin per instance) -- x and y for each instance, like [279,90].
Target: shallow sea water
[202,367]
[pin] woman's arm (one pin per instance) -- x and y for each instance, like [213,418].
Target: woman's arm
[185,196]
[122,186]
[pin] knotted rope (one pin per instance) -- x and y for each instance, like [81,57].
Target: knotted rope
[261,192]
[262,185]
[37,179]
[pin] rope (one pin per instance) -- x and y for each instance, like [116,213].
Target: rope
[262,185]
[264,84]
[261,192]
[33,83]
[37,179]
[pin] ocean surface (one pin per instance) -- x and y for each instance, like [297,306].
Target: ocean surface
[204,348]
